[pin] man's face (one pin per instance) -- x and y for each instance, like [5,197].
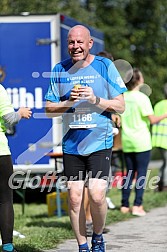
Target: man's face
[79,44]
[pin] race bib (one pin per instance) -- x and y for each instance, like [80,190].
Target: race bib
[82,118]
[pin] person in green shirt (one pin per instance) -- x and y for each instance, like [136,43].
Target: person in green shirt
[7,117]
[159,139]
[136,140]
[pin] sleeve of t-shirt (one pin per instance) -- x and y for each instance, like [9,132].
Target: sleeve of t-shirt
[160,108]
[115,81]
[146,106]
[5,104]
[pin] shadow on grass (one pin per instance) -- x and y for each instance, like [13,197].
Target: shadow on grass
[38,216]
[49,224]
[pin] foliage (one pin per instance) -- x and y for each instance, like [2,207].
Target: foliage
[147,35]
[135,30]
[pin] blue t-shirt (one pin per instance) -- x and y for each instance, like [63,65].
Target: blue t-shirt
[86,128]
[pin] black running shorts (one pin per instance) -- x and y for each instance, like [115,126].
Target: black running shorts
[95,165]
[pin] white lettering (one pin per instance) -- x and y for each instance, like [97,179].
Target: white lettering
[38,98]
[16,97]
[19,97]
[26,99]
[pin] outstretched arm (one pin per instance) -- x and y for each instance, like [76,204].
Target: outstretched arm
[14,117]
[156,119]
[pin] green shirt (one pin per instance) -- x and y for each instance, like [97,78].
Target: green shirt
[159,130]
[5,108]
[136,136]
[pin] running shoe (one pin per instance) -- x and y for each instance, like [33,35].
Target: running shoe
[138,211]
[109,203]
[98,245]
[84,250]
[106,230]
[124,210]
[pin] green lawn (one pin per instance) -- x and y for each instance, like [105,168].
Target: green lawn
[43,232]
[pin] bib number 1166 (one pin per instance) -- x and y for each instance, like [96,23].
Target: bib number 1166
[82,117]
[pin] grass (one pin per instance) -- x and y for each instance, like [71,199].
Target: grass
[43,232]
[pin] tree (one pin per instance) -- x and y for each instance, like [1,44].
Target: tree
[134,30]
[147,37]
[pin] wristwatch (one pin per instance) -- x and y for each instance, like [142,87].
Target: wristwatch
[97,100]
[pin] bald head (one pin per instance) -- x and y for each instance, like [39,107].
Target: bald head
[79,44]
[80,29]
